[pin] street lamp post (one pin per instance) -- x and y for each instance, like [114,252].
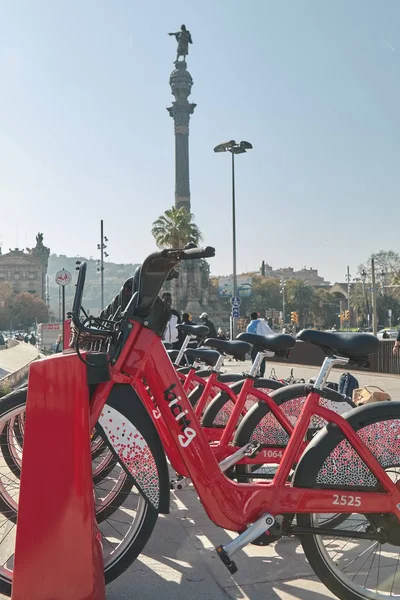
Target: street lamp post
[234,148]
[373,298]
[102,248]
[363,280]
[348,278]
[283,285]
[382,276]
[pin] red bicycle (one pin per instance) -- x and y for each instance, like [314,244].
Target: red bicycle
[349,468]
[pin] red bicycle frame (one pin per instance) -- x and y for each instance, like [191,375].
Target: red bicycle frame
[222,448]
[229,504]
[213,434]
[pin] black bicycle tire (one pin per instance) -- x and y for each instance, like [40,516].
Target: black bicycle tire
[221,399]
[14,401]
[195,395]
[255,415]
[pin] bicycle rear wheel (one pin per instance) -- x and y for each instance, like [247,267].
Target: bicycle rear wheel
[219,410]
[354,569]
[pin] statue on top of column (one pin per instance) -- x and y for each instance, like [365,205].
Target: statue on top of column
[183,38]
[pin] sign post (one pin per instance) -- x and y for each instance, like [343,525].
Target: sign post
[235,302]
[63,278]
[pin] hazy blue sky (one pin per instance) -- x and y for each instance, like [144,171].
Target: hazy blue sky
[314,85]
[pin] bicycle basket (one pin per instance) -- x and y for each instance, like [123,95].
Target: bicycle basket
[88,341]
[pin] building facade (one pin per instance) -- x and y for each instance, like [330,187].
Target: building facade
[26,270]
[309,276]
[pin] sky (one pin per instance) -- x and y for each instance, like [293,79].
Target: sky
[314,86]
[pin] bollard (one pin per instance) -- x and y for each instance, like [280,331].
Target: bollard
[58,554]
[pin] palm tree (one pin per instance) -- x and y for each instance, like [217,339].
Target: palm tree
[175,228]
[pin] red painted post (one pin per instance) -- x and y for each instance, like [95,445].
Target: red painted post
[58,553]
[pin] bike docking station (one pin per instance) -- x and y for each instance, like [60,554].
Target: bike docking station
[58,553]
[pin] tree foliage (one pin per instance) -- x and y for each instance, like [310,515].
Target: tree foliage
[6,293]
[265,295]
[24,309]
[175,228]
[387,261]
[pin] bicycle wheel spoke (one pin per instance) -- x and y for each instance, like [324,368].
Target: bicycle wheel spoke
[379,564]
[394,575]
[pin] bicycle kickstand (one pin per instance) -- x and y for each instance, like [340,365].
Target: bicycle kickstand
[252,533]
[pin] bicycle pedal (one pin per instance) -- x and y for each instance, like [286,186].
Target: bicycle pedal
[230,564]
[259,527]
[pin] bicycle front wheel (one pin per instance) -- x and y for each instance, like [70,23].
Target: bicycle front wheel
[260,426]
[125,516]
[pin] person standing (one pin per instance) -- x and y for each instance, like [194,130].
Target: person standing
[206,321]
[171,333]
[258,327]
[187,319]
[59,344]
[397,344]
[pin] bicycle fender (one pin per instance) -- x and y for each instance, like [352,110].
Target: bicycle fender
[129,432]
[323,466]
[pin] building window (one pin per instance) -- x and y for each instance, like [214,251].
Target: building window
[31,275]
[16,275]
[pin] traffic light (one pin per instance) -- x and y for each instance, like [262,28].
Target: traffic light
[347,315]
[294,317]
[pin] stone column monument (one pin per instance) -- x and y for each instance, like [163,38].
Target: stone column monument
[181,86]
[192,291]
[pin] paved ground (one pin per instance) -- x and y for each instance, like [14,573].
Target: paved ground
[16,358]
[180,563]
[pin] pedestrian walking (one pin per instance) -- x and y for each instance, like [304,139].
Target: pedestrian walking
[206,321]
[259,327]
[397,344]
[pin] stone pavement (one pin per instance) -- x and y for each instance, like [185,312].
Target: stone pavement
[15,358]
[180,562]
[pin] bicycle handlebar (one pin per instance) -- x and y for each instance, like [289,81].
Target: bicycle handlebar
[185,253]
[156,269]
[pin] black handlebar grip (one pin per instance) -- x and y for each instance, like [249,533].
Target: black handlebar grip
[195,253]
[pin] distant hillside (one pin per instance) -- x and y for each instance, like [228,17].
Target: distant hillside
[114,276]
